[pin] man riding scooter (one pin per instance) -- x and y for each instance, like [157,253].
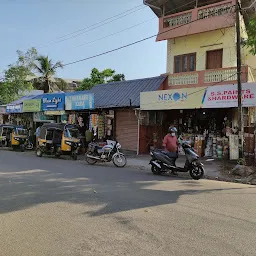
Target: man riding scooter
[170,145]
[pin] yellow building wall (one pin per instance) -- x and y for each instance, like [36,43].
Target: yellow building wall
[201,43]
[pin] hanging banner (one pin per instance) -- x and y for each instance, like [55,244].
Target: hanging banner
[221,96]
[14,108]
[54,101]
[32,105]
[54,113]
[79,101]
[226,96]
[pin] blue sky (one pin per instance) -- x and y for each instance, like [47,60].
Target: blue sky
[42,23]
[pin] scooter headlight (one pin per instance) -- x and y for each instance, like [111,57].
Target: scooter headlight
[151,153]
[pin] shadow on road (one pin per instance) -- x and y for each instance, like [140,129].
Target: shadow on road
[27,181]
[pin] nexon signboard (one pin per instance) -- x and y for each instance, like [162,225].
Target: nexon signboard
[53,102]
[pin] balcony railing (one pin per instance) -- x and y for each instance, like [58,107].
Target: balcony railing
[178,20]
[207,18]
[207,77]
[183,79]
[214,11]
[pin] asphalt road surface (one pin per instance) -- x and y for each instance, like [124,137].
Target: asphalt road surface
[60,207]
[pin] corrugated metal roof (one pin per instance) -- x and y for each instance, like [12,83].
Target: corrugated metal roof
[124,93]
[20,100]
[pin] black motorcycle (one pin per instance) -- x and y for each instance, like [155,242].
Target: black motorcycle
[162,163]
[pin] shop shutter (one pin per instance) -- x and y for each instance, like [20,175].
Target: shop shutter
[127,129]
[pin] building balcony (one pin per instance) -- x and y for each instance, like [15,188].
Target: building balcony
[208,77]
[207,18]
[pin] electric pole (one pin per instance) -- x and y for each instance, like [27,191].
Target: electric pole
[239,85]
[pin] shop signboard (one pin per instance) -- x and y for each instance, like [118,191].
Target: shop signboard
[79,101]
[14,108]
[225,96]
[32,105]
[187,98]
[53,102]
[55,113]
[221,96]
[40,117]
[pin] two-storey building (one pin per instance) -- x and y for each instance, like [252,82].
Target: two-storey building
[200,97]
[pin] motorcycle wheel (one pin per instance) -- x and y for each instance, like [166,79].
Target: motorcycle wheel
[90,161]
[22,148]
[39,152]
[196,172]
[155,170]
[74,157]
[119,161]
[29,146]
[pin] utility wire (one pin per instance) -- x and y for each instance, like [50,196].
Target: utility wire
[103,22]
[127,45]
[91,27]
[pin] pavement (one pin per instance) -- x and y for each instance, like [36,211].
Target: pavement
[61,207]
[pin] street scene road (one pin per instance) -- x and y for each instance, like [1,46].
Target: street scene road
[61,207]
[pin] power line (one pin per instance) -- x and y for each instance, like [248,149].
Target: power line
[127,45]
[93,27]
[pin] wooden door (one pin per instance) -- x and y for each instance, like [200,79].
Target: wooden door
[214,59]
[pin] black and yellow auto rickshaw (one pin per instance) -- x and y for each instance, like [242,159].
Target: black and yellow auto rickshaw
[19,138]
[13,136]
[58,139]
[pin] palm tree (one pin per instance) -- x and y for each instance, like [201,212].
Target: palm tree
[46,70]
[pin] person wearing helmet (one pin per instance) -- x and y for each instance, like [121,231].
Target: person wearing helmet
[170,144]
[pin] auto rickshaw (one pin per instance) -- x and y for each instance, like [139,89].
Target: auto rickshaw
[13,136]
[58,139]
[19,138]
[5,134]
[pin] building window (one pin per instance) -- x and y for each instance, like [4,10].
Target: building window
[214,59]
[185,63]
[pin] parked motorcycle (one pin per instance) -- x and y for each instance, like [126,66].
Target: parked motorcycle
[108,153]
[28,144]
[162,163]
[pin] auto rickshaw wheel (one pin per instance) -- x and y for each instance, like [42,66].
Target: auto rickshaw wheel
[39,152]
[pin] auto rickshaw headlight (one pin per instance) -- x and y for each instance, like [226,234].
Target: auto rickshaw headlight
[68,143]
[17,138]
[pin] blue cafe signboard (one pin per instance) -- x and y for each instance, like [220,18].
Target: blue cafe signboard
[14,108]
[53,102]
[79,101]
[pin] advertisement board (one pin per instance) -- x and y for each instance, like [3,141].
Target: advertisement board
[54,101]
[187,98]
[32,105]
[79,101]
[221,96]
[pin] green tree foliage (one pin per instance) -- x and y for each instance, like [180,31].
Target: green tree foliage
[100,77]
[46,70]
[15,78]
[251,42]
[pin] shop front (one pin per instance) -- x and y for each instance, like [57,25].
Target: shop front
[205,117]
[78,106]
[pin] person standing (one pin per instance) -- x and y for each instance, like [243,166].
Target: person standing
[171,143]
[38,130]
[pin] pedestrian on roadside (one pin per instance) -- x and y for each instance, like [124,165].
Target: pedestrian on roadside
[38,130]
